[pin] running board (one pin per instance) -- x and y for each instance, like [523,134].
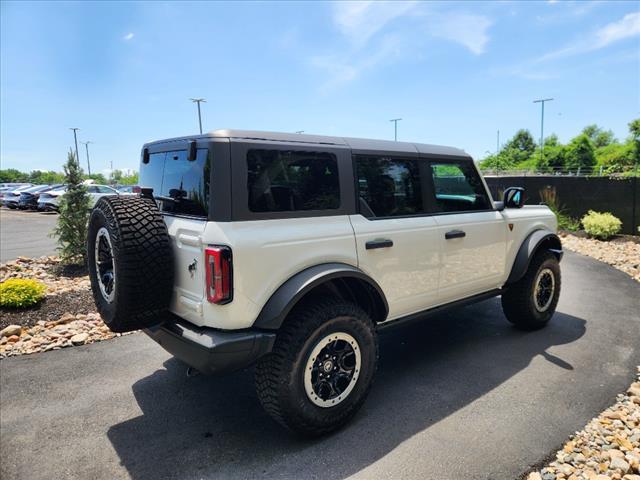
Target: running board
[414,317]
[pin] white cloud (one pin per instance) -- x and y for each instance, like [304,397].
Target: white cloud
[629,26]
[467,29]
[341,69]
[128,36]
[360,21]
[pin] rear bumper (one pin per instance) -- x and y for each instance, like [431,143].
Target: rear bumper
[209,350]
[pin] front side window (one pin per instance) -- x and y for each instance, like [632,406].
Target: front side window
[179,185]
[287,181]
[389,187]
[458,187]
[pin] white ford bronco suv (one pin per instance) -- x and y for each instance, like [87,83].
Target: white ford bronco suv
[293,251]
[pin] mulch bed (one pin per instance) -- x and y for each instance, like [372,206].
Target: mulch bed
[52,308]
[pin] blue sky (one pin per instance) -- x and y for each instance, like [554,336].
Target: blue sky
[454,72]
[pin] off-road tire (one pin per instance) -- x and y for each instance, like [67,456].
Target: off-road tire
[143,261]
[279,376]
[518,301]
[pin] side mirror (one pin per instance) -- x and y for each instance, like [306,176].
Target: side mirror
[513,197]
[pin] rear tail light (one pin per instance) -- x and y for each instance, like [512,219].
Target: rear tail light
[219,272]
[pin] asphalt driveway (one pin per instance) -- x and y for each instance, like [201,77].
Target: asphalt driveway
[26,234]
[459,396]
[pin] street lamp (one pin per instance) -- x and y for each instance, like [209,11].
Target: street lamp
[86,144]
[395,128]
[541,101]
[199,101]
[75,139]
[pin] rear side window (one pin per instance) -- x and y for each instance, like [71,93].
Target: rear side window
[389,187]
[287,181]
[458,187]
[180,186]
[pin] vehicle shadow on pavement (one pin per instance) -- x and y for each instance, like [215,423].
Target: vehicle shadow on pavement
[214,427]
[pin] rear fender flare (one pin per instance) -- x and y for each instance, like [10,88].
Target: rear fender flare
[293,290]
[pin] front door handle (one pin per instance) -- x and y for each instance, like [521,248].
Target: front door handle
[379,243]
[454,234]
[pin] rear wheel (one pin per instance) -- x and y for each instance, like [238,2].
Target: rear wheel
[130,262]
[530,302]
[321,368]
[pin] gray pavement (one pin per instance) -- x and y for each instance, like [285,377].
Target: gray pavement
[26,234]
[459,396]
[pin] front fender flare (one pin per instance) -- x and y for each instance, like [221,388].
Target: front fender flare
[536,240]
[290,292]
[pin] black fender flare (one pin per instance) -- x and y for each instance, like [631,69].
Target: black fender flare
[534,241]
[281,302]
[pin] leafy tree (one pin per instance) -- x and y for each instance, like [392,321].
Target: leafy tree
[634,130]
[11,175]
[493,162]
[120,178]
[71,230]
[48,178]
[520,148]
[554,157]
[97,177]
[580,154]
[598,136]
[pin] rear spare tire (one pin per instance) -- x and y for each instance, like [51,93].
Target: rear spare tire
[130,262]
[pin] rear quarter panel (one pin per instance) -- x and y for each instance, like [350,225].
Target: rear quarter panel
[265,254]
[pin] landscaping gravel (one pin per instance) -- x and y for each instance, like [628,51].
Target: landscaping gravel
[66,317]
[608,448]
[621,252]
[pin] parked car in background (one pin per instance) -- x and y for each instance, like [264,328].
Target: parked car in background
[50,201]
[28,199]
[128,189]
[11,196]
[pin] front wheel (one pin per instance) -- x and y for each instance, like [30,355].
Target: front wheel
[530,302]
[321,368]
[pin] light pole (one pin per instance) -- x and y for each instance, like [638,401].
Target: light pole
[86,144]
[198,101]
[75,139]
[541,101]
[395,128]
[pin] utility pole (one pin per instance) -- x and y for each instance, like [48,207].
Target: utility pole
[75,139]
[395,128]
[199,101]
[498,143]
[86,144]
[541,101]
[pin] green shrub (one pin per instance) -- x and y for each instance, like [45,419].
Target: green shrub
[21,292]
[601,225]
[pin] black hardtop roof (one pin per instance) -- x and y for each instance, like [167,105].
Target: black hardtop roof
[357,144]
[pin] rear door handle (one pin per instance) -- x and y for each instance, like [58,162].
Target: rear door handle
[454,234]
[379,243]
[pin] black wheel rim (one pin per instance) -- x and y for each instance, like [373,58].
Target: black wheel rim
[332,369]
[105,266]
[544,289]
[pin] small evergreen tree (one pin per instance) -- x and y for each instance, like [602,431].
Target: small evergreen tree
[71,230]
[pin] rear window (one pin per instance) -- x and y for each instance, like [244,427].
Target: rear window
[180,186]
[287,181]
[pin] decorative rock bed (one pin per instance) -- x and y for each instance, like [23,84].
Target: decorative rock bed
[67,316]
[608,448]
